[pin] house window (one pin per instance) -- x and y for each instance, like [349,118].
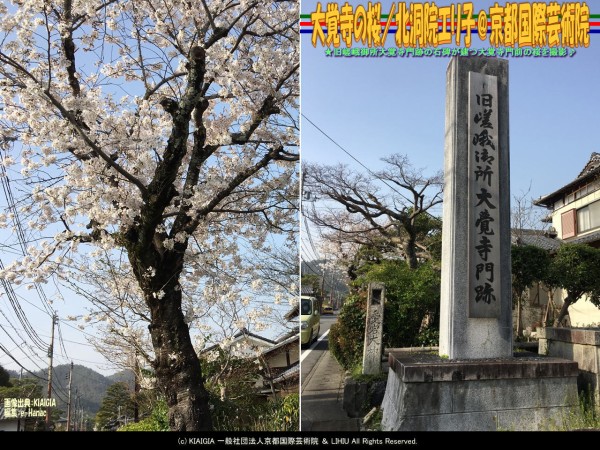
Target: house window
[568,223]
[559,203]
[580,193]
[588,217]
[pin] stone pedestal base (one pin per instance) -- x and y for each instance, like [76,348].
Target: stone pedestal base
[427,393]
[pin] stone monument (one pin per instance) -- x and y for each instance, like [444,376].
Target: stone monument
[373,347]
[475,382]
[476,305]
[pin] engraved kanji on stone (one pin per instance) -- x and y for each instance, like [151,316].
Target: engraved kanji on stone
[484,118]
[487,268]
[484,156]
[483,139]
[484,197]
[485,293]
[484,99]
[485,173]
[483,222]
[484,248]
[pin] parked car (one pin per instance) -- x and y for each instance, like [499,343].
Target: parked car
[310,320]
[327,309]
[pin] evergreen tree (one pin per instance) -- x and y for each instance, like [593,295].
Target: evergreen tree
[576,269]
[530,264]
[25,388]
[117,407]
[4,377]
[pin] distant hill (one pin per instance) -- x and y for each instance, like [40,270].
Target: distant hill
[88,384]
[123,376]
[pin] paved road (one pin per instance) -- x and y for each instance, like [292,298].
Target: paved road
[322,387]
[310,356]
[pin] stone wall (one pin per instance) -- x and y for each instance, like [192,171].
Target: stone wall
[580,345]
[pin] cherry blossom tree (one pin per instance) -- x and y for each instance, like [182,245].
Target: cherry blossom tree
[233,299]
[163,131]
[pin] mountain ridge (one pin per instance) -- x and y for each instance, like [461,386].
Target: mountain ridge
[88,386]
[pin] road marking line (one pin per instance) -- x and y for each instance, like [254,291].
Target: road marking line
[308,350]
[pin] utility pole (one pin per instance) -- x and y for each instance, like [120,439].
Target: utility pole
[50,357]
[69,404]
[77,414]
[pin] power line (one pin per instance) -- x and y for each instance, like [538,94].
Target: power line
[21,365]
[306,255]
[56,384]
[11,326]
[60,339]
[20,314]
[338,145]
[45,335]
[310,240]
[6,186]
[24,345]
[307,252]
[359,162]
[35,306]
[82,360]
[314,272]
[20,233]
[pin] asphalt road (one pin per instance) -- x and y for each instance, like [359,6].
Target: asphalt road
[322,388]
[311,355]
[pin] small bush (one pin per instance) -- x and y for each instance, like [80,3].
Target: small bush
[582,417]
[280,415]
[374,423]
[429,337]
[257,414]
[412,296]
[158,420]
[346,337]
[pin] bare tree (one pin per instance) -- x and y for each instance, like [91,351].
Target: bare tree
[393,203]
[525,216]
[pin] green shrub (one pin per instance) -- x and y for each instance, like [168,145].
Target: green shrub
[280,415]
[256,414]
[347,335]
[158,420]
[412,297]
[429,337]
[582,417]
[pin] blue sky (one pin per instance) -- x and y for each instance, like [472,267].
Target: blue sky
[78,349]
[378,106]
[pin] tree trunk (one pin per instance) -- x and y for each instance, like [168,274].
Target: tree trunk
[136,391]
[549,308]
[546,313]
[411,252]
[563,311]
[352,272]
[177,366]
